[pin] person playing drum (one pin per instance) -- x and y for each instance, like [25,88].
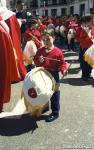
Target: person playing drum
[52,59]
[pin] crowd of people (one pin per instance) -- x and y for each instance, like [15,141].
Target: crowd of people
[29,41]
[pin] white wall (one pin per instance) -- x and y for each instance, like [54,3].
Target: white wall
[76,8]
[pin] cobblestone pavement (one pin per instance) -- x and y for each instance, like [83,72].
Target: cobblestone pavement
[73,130]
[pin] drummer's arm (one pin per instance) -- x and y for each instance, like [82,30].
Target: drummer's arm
[65,71]
[38,58]
[63,66]
[92,38]
[26,59]
[29,52]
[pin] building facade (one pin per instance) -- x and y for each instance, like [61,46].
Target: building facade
[60,7]
[11,4]
[57,7]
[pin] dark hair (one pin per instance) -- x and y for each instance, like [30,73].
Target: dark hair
[88,18]
[19,2]
[77,16]
[51,32]
[85,19]
[31,22]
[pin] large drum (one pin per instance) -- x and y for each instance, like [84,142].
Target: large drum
[89,56]
[38,87]
[37,90]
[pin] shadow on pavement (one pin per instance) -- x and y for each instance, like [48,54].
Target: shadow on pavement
[69,54]
[72,61]
[73,70]
[10,126]
[76,82]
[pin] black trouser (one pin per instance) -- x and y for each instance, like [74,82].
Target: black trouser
[86,68]
[55,99]
[71,45]
[30,67]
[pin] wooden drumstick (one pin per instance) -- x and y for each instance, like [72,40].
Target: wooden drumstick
[50,58]
[69,65]
[34,37]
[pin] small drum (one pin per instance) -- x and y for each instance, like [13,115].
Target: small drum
[62,31]
[89,56]
[57,29]
[38,87]
[70,35]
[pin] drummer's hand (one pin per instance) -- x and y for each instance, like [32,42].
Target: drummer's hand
[64,74]
[23,20]
[41,59]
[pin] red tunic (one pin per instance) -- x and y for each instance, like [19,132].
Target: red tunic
[32,35]
[49,21]
[83,38]
[0,18]
[41,28]
[53,60]
[74,24]
[92,31]
[16,39]
[5,66]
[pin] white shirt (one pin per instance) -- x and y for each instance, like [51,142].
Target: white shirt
[30,49]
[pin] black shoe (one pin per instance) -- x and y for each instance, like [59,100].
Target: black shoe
[51,118]
[90,78]
[87,79]
[84,79]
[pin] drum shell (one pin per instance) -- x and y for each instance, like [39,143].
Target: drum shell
[89,56]
[46,91]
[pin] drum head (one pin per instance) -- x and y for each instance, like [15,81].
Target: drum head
[38,86]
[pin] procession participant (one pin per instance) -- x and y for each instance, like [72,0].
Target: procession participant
[74,23]
[32,33]
[6,62]
[85,42]
[52,59]
[62,34]
[28,53]
[21,14]
[91,32]
[50,24]
[10,18]
[41,26]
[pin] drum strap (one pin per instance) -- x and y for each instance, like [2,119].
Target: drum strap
[57,86]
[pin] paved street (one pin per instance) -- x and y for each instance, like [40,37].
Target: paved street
[73,130]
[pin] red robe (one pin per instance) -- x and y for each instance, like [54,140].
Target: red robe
[83,38]
[30,34]
[16,39]
[41,28]
[92,31]
[5,66]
